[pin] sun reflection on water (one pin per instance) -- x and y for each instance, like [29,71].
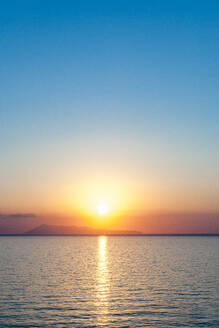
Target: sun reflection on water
[102,285]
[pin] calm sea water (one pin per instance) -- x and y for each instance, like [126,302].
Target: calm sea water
[109,282]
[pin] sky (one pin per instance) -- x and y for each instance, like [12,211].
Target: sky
[109,102]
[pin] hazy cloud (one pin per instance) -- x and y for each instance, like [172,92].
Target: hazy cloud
[17,216]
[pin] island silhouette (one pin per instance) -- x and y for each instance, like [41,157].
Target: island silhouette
[45,229]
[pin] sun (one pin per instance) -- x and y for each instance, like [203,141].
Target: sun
[102,209]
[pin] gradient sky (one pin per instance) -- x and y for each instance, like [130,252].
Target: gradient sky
[113,98]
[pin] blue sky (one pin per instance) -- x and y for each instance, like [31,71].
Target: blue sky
[125,88]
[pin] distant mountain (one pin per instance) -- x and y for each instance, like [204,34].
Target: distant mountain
[45,229]
[30,224]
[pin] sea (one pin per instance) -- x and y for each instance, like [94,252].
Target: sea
[109,281]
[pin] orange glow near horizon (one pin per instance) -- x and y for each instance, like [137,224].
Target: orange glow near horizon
[99,202]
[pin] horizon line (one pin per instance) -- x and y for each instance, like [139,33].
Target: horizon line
[121,235]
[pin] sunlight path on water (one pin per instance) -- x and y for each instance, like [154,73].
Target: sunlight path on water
[102,285]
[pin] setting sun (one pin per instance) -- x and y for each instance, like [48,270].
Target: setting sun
[102,209]
[99,198]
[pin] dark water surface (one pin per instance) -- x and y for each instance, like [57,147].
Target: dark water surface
[109,282]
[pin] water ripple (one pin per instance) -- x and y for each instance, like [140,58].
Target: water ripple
[109,282]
